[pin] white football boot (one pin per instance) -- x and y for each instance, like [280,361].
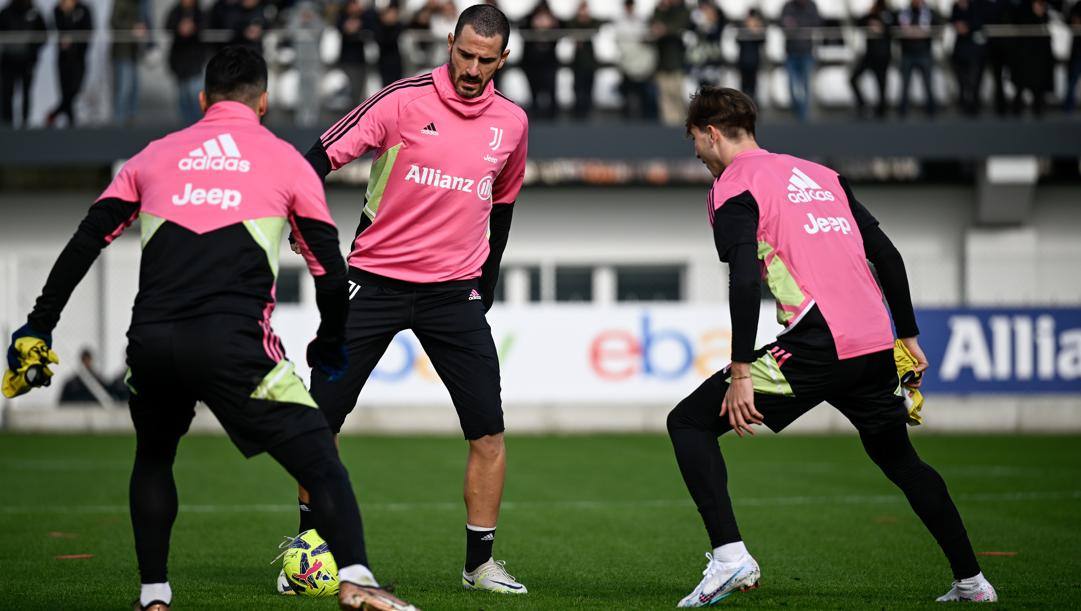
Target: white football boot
[492,576]
[974,590]
[721,579]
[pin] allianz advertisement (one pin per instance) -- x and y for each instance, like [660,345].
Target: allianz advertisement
[659,353]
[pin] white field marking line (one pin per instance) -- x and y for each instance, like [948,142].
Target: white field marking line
[777,501]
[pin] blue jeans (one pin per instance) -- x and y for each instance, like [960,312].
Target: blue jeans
[188,95]
[799,69]
[923,63]
[1071,84]
[125,90]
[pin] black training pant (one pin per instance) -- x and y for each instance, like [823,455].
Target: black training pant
[865,389]
[236,366]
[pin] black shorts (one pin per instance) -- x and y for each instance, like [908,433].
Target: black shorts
[787,385]
[447,318]
[234,364]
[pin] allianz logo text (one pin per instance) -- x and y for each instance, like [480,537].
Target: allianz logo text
[220,154]
[432,177]
[226,198]
[802,189]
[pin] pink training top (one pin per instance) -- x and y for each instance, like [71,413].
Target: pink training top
[442,161]
[213,201]
[810,248]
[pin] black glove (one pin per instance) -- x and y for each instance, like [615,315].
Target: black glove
[329,357]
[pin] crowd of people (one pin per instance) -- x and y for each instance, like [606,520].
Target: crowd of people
[658,55]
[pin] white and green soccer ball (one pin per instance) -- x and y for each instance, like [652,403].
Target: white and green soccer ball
[309,567]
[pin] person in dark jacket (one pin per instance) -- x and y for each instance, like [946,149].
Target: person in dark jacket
[751,37]
[73,24]
[388,29]
[1032,66]
[187,56]
[968,52]
[877,55]
[539,61]
[1073,19]
[799,18]
[355,27]
[1000,47]
[585,62]
[917,22]
[131,31]
[670,20]
[250,24]
[19,59]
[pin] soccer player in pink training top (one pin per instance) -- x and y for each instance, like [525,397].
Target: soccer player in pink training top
[450,155]
[213,201]
[797,224]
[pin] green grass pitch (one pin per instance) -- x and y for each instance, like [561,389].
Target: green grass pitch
[599,522]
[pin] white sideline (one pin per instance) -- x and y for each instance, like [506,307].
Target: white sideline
[777,501]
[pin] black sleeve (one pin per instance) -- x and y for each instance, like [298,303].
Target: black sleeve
[317,156]
[735,231]
[889,266]
[499,228]
[331,292]
[105,220]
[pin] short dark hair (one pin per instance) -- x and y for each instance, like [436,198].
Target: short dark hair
[729,110]
[485,20]
[235,73]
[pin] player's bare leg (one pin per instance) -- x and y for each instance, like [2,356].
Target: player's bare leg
[485,472]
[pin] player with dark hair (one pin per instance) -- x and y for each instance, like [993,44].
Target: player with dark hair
[450,155]
[798,225]
[213,201]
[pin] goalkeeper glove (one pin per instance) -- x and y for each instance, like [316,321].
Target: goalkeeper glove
[29,357]
[907,375]
[328,357]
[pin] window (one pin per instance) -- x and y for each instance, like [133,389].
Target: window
[574,284]
[649,283]
[288,290]
[534,284]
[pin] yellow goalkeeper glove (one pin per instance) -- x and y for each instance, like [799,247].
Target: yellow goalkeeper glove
[907,375]
[29,357]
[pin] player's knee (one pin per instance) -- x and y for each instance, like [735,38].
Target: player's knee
[678,419]
[489,448]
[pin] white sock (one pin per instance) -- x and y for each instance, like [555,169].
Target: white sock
[155,591]
[977,579]
[358,574]
[730,552]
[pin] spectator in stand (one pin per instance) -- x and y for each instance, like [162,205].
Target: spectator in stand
[19,59]
[637,63]
[131,31]
[222,19]
[705,56]
[388,30]
[306,31]
[75,389]
[751,37]
[1073,19]
[73,24]
[877,54]
[1033,64]
[917,22]
[539,61]
[670,20]
[799,18]
[968,52]
[355,26]
[437,18]
[187,54]
[584,65]
[250,24]
[1000,47]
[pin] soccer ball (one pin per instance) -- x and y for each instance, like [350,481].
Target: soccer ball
[309,567]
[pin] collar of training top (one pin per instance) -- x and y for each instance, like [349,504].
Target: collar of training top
[466,107]
[751,153]
[230,110]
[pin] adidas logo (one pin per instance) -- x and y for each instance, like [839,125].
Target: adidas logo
[803,190]
[220,153]
[489,536]
[473,296]
[429,130]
